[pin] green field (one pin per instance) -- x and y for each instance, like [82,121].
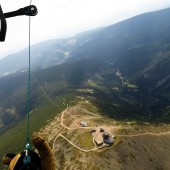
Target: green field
[14,139]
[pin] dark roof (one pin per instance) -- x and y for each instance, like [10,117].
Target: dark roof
[107,138]
[106,135]
[110,140]
[93,130]
[101,130]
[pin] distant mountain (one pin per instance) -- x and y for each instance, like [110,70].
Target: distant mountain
[123,69]
[43,55]
[118,39]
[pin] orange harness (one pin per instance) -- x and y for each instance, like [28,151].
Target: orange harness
[13,162]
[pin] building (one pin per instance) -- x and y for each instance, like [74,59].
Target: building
[98,142]
[107,139]
[101,130]
[83,124]
[92,131]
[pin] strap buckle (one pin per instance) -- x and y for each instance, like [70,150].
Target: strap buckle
[27,157]
[30,10]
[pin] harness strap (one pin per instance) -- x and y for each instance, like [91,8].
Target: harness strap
[14,162]
[3,25]
[30,10]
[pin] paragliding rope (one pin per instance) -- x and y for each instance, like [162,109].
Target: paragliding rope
[29,80]
[27,158]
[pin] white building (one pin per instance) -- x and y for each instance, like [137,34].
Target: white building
[83,124]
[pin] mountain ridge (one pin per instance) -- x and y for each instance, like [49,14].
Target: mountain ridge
[130,140]
[61,48]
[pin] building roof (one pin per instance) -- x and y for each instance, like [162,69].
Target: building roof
[98,142]
[93,130]
[83,123]
[109,141]
[101,130]
[106,135]
[107,138]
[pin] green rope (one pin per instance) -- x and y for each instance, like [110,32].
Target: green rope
[29,80]
[27,157]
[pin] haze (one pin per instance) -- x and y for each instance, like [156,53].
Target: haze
[64,18]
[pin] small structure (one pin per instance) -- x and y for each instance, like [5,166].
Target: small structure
[98,142]
[83,124]
[101,130]
[92,131]
[107,139]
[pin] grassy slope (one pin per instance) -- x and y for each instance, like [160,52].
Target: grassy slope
[128,152]
[14,139]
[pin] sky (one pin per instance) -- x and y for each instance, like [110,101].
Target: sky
[65,18]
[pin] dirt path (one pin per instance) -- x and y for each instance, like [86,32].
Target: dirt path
[147,133]
[66,128]
[89,150]
[62,115]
